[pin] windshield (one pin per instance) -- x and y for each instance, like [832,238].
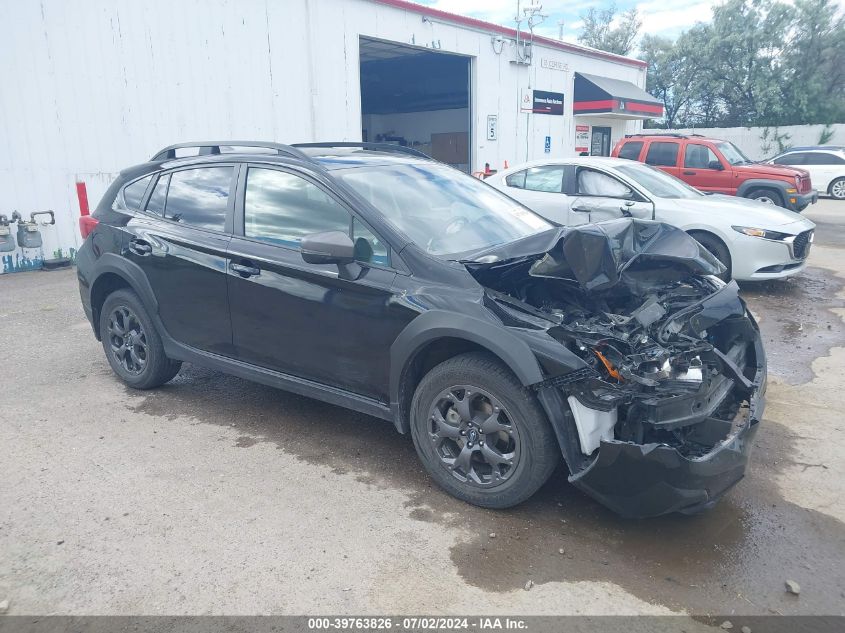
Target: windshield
[732,153]
[656,182]
[444,211]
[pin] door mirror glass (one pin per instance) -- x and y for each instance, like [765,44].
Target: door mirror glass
[330,247]
[715,164]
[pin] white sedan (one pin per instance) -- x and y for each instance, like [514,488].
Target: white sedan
[754,240]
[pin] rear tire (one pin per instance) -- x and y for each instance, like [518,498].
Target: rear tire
[769,196]
[132,345]
[716,248]
[837,189]
[493,445]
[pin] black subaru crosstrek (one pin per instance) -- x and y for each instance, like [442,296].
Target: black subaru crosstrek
[374,278]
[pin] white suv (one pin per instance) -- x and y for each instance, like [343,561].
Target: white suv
[826,164]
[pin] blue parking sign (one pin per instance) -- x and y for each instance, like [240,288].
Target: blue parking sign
[548,144]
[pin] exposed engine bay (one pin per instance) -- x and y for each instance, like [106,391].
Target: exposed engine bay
[659,352]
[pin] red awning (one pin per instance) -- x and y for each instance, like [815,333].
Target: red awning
[602,96]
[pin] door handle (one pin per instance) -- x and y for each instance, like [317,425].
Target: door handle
[580,209]
[689,173]
[140,248]
[244,270]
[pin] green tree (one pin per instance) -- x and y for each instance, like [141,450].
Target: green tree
[757,63]
[814,63]
[671,75]
[600,32]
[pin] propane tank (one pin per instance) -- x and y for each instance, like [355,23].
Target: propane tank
[31,255]
[7,240]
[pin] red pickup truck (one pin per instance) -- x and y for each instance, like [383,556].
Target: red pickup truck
[711,165]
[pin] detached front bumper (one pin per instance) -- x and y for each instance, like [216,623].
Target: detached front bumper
[646,480]
[640,481]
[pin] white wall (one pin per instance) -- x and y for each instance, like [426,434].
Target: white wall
[93,86]
[750,139]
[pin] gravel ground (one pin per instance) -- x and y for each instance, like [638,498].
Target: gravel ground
[214,495]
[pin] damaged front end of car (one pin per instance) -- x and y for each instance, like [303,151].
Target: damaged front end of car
[655,371]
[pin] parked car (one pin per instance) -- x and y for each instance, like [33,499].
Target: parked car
[753,240]
[824,163]
[715,166]
[374,278]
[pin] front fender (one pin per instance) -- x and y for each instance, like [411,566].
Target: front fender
[438,324]
[764,183]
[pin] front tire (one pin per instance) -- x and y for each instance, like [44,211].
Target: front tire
[132,345]
[837,189]
[717,249]
[769,196]
[480,434]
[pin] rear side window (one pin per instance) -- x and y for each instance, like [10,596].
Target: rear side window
[199,197]
[822,158]
[134,193]
[155,204]
[662,154]
[548,178]
[516,180]
[791,159]
[283,208]
[631,150]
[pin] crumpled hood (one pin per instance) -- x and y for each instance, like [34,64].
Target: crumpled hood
[599,256]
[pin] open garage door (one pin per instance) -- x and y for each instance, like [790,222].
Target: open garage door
[418,98]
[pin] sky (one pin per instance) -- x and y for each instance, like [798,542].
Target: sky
[659,17]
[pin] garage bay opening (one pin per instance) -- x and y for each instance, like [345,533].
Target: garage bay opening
[417,98]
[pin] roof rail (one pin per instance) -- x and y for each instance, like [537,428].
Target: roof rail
[381,147]
[672,134]
[213,147]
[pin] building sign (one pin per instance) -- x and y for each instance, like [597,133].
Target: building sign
[548,146]
[492,126]
[553,64]
[547,102]
[582,138]
[526,100]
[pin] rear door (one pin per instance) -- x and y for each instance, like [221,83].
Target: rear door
[704,170]
[540,188]
[180,243]
[665,155]
[824,167]
[597,196]
[303,319]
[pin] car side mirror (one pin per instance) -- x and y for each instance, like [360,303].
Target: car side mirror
[715,164]
[329,247]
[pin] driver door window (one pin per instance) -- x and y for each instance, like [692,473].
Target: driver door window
[282,208]
[699,157]
[596,183]
[600,197]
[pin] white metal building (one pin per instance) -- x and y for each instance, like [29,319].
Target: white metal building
[92,86]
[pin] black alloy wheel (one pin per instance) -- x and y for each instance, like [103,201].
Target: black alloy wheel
[127,340]
[472,434]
